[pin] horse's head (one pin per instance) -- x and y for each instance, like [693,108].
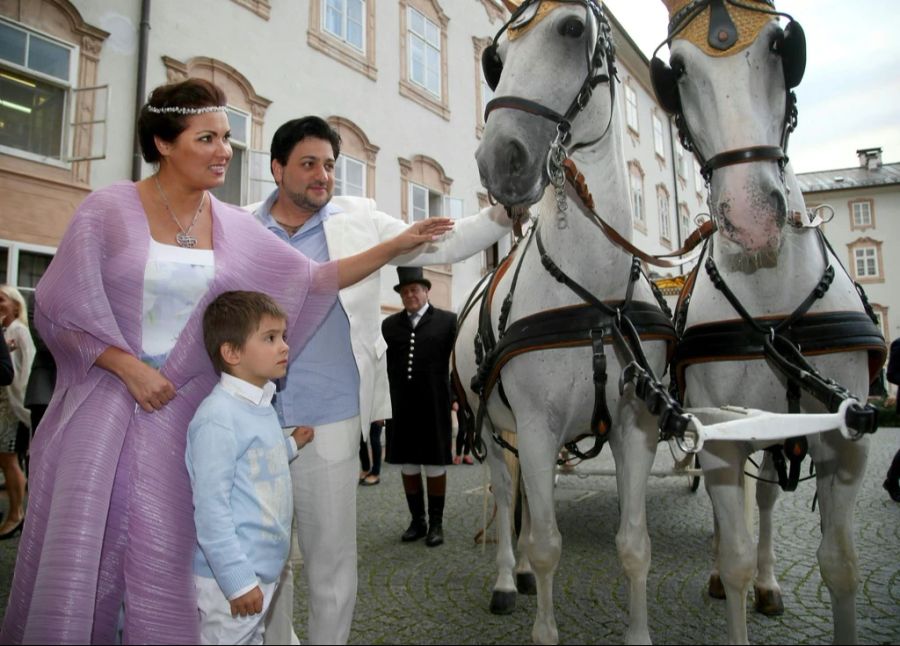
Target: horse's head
[729,84]
[544,70]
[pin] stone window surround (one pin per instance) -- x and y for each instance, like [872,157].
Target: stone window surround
[247,99]
[862,227]
[654,118]
[639,219]
[479,45]
[262,8]
[662,189]
[88,41]
[357,145]
[863,243]
[885,323]
[431,10]
[321,40]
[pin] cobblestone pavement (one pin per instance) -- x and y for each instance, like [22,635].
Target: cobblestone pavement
[409,593]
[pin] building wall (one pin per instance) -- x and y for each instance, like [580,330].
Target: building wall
[882,291]
[276,64]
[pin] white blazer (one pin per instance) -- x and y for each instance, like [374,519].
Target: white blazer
[359,225]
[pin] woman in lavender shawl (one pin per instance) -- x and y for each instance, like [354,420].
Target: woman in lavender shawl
[109,535]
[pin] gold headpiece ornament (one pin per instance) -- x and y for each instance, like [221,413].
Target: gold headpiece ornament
[747,22]
[543,9]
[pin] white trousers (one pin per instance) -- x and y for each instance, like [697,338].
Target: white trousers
[325,479]
[217,626]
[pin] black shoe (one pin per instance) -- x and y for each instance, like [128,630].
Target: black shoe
[417,529]
[435,535]
[893,488]
[15,531]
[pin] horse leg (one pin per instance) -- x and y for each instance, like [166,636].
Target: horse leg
[634,448]
[537,454]
[723,473]
[840,467]
[525,580]
[767,592]
[714,588]
[503,597]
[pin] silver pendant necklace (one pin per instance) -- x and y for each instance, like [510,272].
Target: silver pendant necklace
[184,238]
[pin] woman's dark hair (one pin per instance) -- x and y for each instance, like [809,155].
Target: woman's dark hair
[294,131]
[192,93]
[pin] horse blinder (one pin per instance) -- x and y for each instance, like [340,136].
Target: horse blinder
[792,48]
[491,66]
[665,85]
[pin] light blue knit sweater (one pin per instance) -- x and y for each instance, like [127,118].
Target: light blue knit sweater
[237,458]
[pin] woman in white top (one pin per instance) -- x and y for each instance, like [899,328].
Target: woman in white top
[14,319]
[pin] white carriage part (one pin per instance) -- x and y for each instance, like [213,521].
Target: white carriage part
[736,424]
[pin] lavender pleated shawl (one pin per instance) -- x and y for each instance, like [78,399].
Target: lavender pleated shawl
[110,514]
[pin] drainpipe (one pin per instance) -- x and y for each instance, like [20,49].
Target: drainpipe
[141,91]
[675,190]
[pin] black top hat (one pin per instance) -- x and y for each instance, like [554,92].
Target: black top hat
[408,275]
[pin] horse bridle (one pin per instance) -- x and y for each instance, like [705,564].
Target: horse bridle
[603,47]
[791,45]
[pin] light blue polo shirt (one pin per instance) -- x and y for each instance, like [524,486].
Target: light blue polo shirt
[322,383]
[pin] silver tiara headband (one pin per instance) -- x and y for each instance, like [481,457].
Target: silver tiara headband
[185,111]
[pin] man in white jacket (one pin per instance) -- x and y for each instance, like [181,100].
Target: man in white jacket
[338,383]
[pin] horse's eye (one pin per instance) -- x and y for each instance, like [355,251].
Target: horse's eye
[777,42]
[677,66]
[572,27]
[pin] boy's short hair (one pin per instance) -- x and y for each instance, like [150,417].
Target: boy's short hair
[231,318]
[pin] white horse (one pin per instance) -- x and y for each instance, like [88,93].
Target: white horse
[736,112]
[551,53]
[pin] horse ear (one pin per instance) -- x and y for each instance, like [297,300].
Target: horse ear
[665,85]
[793,54]
[491,66]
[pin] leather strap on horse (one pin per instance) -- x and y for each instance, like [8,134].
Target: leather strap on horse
[704,231]
[785,354]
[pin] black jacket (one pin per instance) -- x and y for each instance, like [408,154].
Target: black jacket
[418,366]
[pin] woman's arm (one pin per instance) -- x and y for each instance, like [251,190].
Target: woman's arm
[354,268]
[149,388]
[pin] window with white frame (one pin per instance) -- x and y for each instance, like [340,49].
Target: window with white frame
[662,203]
[699,182]
[659,143]
[685,216]
[234,189]
[631,112]
[862,214]
[426,203]
[636,179]
[424,52]
[866,261]
[680,160]
[345,19]
[23,265]
[349,177]
[36,75]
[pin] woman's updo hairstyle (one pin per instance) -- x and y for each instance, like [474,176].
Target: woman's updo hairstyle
[192,93]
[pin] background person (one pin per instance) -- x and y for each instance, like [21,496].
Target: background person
[13,414]
[338,383]
[420,340]
[110,526]
[371,465]
[892,480]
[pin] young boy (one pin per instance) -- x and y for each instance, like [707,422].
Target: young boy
[237,458]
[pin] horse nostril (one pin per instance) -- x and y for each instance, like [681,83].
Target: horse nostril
[516,156]
[779,206]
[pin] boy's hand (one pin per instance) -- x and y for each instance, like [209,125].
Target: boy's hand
[247,604]
[303,435]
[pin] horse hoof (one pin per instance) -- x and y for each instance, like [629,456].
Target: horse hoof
[526,583]
[715,589]
[768,602]
[503,602]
